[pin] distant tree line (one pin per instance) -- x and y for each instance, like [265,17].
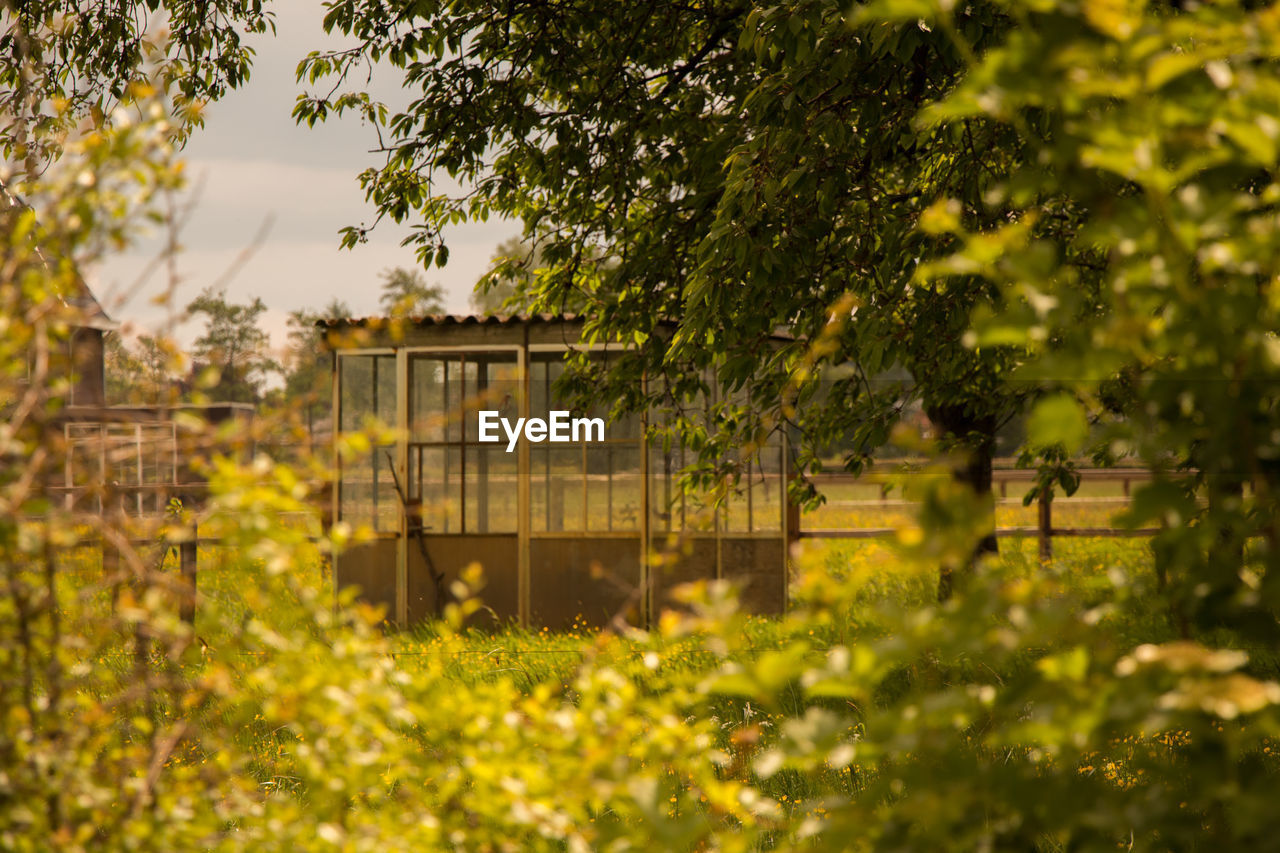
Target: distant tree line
[232,360]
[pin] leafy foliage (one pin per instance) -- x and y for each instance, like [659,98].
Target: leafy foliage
[697,179]
[1163,138]
[514,269]
[64,60]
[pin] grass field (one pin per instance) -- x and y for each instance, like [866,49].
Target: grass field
[236,584]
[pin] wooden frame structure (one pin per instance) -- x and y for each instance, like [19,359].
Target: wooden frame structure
[566,534]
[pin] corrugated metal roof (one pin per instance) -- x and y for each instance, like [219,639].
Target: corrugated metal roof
[454,320]
[484,320]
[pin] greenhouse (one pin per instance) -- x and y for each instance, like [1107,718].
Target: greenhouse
[583,530]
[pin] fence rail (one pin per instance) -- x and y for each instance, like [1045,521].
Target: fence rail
[1002,532]
[1044,530]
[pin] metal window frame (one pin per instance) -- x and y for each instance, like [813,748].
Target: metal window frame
[524,351]
[639,443]
[405,354]
[336,383]
[462,442]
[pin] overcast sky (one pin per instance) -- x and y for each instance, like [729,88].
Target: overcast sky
[250,164]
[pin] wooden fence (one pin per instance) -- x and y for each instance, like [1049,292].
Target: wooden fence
[1044,530]
[193,495]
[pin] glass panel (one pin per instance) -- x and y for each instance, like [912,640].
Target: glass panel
[386,503]
[157,464]
[355,402]
[368,387]
[367,493]
[491,490]
[699,511]
[599,489]
[453,399]
[355,503]
[539,507]
[451,480]
[427,413]
[625,427]
[480,495]
[492,385]
[613,488]
[470,395]
[441,511]
[502,387]
[122,454]
[537,384]
[85,464]
[385,389]
[665,504]
[768,491]
[557,488]
[546,369]
[628,479]
[754,503]
[737,505]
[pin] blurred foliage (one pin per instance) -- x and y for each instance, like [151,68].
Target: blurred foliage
[142,370]
[1163,128]
[308,367]
[1115,701]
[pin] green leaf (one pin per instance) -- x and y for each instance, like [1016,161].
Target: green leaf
[1058,420]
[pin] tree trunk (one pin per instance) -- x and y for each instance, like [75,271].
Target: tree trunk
[1225,561]
[973,436]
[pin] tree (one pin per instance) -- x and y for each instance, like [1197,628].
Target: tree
[142,373]
[64,60]
[406,293]
[513,265]
[232,346]
[122,370]
[735,172]
[307,375]
[160,361]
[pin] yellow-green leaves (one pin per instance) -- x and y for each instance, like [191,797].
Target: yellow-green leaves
[1118,19]
[1058,420]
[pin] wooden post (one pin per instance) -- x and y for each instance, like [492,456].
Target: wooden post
[187,566]
[792,522]
[1045,533]
[524,488]
[646,543]
[111,568]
